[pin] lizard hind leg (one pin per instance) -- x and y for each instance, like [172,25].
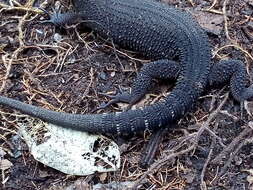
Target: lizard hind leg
[232,71]
[161,69]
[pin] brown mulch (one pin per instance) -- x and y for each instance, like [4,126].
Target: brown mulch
[211,148]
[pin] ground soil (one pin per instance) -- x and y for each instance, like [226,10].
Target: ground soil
[66,69]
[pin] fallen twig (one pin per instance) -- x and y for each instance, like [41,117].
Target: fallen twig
[193,142]
[203,183]
[226,19]
[235,46]
[218,159]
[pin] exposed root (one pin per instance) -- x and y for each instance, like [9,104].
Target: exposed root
[27,7]
[226,19]
[235,46]
[191,2]
[19,8]
[234,43]
[212,6]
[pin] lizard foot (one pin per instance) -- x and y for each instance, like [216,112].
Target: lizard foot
[60,19]
[52,17]
[120,97]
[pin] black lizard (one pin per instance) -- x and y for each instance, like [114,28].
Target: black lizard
[158,32]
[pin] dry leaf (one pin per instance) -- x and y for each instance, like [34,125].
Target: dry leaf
[5,164]
[102,177]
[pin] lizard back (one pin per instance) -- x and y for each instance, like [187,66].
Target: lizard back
[158,32]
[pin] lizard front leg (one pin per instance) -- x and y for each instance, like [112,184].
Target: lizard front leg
[161,69]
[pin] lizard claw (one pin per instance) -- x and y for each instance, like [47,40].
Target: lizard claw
[103,105]
[107,95]
[52,17]
[45,11]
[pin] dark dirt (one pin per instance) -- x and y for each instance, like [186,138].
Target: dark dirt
[66,69]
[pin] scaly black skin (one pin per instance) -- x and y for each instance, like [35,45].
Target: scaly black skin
[158,32]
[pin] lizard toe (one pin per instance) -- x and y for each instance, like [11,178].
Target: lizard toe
[120,97]
[60,19]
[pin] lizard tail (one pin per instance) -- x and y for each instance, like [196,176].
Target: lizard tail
[151,117]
